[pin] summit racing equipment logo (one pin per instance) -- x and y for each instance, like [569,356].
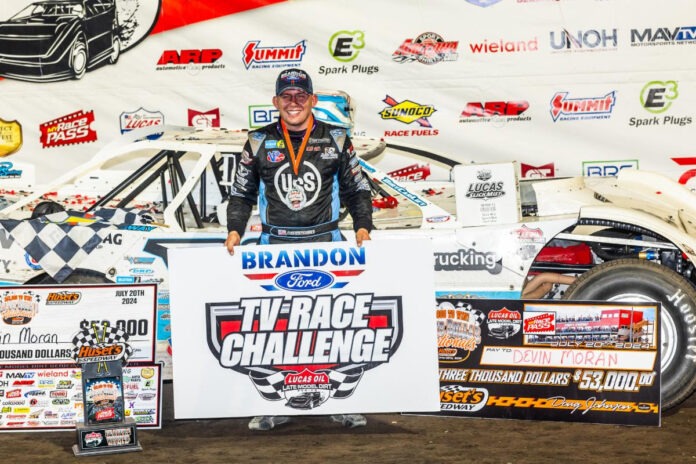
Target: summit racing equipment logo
[427,48]
[254,56]
[571,109]
[305,349]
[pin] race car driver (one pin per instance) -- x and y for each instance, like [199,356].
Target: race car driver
[299,170]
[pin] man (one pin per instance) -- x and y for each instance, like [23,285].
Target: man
[299,170]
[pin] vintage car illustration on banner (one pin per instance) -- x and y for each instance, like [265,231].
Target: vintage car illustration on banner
[55,40]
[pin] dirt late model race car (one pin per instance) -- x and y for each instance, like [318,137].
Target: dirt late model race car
[625,238]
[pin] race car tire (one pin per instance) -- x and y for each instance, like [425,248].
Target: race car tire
[115,50]
[78,58]
[643,281]
[79,276]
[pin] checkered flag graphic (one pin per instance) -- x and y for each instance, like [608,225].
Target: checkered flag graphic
[106,335]
[454,388]
[269,386]
[59,242]
[343,384]
[478,317]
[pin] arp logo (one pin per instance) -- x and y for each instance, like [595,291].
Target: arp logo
[459,398]
[195,56]
[345,46]
[495,108]
[657,96]
[262,115]
[606,168]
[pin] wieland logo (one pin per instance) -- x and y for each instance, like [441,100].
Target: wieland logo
[305,349]
[570,109]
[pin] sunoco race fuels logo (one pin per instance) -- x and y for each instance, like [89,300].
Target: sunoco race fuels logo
[304,349]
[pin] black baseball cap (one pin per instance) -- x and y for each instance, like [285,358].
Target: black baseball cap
[293,78]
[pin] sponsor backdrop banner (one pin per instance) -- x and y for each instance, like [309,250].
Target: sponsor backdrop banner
[566,361]
[304,329]
[564,87]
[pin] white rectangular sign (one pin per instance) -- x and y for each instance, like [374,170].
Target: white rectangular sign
[40,322]
[306,329]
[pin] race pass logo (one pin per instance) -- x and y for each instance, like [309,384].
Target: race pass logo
[304,349]
[572,109]
[70,129]
[427,48]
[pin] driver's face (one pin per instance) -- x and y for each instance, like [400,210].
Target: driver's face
[295,107]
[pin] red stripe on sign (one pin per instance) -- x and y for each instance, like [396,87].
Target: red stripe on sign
[179,13]
[686,161]
[260,276]
[347,273]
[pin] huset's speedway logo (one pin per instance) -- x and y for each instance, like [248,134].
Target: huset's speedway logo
[63,298]
[570,109]
[304,349]
[257,57]
[70,129]
[427,48]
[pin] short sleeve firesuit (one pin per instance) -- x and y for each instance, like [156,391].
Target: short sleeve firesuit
[302,206]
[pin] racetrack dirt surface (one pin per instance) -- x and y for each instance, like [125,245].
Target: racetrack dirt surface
[387,438]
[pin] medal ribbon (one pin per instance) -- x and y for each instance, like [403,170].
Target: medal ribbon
[297,159]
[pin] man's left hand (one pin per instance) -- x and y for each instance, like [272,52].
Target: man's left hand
[361,235]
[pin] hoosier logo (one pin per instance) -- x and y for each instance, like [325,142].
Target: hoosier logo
[305,349]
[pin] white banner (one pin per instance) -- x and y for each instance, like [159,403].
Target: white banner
[307,329]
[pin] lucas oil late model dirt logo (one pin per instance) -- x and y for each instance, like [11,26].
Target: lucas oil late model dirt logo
[305,348]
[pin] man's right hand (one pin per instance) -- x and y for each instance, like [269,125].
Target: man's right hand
[233,239]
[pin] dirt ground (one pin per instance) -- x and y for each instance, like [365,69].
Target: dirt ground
[386,439]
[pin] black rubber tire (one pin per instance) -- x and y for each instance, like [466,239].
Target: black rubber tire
[613,279]
[78,59]
[115,50]
[79,276]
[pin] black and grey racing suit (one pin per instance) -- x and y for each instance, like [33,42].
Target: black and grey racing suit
[303,206]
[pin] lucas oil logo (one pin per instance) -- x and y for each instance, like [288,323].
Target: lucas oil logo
[486,189]
[305,349]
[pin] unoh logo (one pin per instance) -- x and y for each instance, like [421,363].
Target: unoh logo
[304,280]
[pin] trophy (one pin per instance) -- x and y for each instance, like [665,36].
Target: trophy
[102,355]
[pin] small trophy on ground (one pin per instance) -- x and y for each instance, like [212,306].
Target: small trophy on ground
[102,355]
